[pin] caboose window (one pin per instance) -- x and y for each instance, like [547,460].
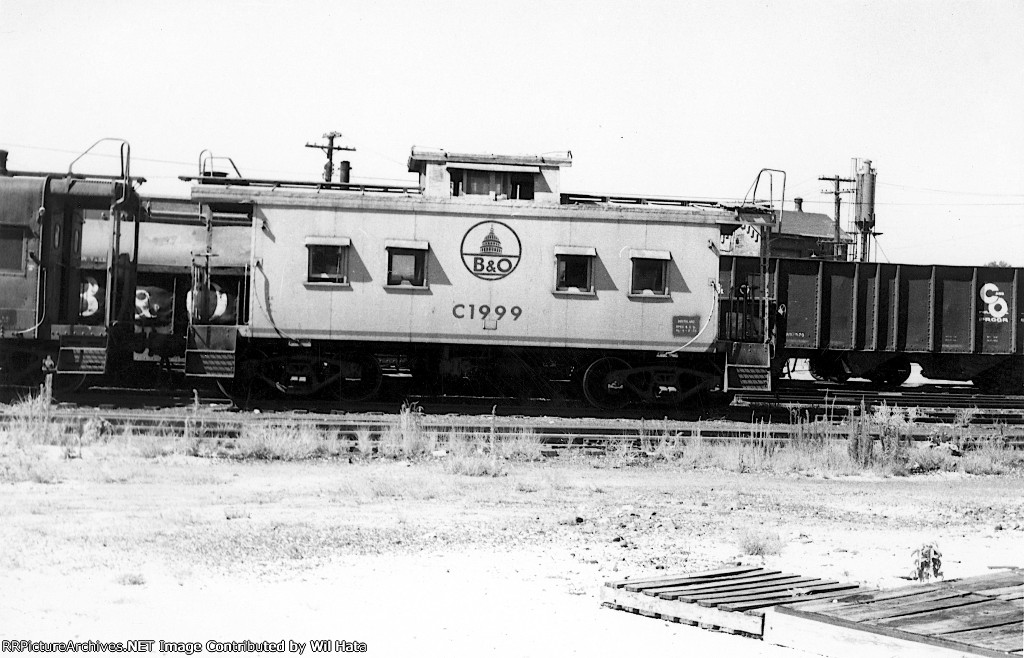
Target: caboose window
[650,272]
[574,269]
[407,263]
[12,249]
[328,260]
[499,182]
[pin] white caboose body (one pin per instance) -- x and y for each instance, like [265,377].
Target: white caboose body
[486,260]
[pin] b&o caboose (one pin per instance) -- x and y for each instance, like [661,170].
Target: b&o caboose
[483,278]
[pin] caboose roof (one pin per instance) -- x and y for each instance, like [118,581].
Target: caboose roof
[419,156]
[810,224]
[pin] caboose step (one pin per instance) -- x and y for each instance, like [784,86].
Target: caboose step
[748,367]
[211,351]
[82,355]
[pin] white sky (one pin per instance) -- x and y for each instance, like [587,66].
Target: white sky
[685,99]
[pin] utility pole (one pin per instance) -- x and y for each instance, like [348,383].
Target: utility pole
[838,248]
[330,148]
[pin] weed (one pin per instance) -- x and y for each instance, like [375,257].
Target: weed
[521,443]
[132,579]
[991,457]
[927,562]
[929,459]
[526,487]
[233,513]
[475,465]
[893,426]
[364,441]
[278,441]
[759,542]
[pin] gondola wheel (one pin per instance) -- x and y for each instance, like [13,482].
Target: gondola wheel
[603,387]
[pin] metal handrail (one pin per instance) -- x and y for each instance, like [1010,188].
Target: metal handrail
[210,159]
[126,151]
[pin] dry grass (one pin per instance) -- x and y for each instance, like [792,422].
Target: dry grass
[759,542]
[277,441]
[132,579]
[879,442]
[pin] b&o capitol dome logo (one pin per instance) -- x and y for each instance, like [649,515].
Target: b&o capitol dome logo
[491,250]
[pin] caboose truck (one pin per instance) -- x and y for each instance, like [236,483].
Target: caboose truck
[49,320]
[484,278]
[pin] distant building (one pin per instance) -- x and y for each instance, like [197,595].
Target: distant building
[800,235]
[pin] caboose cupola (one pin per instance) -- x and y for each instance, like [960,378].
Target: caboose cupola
[478,177]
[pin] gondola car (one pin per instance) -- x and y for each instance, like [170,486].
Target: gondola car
[874,320]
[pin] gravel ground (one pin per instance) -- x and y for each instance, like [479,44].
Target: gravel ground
[408,557]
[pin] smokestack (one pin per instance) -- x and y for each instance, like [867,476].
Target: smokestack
[344,167]
[3,163]
[799,203]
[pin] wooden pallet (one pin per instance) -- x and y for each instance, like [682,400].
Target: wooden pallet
[980,616]
[730,599]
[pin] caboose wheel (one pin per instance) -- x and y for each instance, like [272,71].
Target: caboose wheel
[361,377]
[604,383]
[67,384]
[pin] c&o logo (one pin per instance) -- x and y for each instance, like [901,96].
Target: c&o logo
[997,306]
[491,250]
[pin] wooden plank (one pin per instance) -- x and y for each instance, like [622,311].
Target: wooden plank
[751,624]
[878,613]
[707,588]
[1009,637]
[817,633]
[845,610]
[964,585]
[772,590]
[762,605]
[656,582]
[978,615]
[885,595]
[989,581]
[739,579]
[820,587]
[998,591]
[838,601]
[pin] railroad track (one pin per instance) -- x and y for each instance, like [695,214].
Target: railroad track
[777,416]
[555,434]
[933,403]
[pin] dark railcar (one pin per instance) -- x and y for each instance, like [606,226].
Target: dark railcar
[874,319]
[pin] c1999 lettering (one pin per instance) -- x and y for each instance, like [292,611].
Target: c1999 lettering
[483,311]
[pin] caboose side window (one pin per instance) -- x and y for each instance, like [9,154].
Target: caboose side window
[574,269]
[650,272]
[12,249]
[328,260]
[407,263]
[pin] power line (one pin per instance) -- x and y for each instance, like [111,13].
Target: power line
[188,164]
[928,189]
[879,246]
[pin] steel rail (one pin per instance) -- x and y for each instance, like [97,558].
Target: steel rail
[555,434]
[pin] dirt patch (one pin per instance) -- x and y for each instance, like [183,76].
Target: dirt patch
[411,557]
